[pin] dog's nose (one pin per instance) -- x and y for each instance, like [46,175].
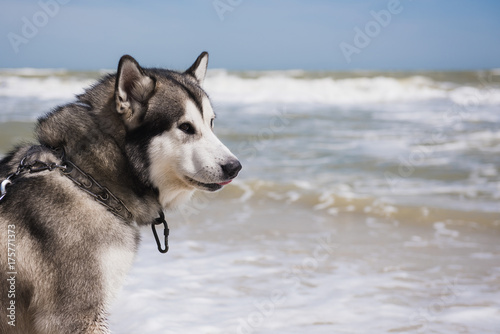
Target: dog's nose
[231,168]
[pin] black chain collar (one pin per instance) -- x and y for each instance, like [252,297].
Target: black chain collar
[88,184]
[100,193]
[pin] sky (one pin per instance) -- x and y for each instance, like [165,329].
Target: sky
[252,34]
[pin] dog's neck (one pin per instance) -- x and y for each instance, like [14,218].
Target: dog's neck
[98,146]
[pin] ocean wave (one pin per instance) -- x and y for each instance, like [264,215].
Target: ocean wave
[229,88]
[42,88]
[344,198]
[298,87]
[292,87]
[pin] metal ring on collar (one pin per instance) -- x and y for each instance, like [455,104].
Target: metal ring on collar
[3,187]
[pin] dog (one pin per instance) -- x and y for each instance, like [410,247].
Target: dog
[135,144]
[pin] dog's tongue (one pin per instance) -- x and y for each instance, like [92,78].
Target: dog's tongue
[224,183]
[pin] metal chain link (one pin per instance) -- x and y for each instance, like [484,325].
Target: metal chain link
[34,167]
[104,196]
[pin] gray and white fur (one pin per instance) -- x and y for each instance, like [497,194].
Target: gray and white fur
[144,133]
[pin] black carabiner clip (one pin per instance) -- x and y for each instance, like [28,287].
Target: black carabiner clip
[166,232]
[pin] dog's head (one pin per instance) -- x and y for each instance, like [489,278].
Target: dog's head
[170,122]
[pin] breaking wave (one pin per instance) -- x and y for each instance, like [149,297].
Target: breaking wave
[329,88]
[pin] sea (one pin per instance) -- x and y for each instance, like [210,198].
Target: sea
[368,202]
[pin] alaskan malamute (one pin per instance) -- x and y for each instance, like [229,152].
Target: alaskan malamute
[136,143]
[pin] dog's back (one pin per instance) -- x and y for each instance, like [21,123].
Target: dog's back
[57,240]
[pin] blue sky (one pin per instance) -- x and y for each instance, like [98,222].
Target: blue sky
[252,34]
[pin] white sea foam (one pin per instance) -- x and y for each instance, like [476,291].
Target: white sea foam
[229,88]
[285,88]
[42,88]
[268,87]
[277,277]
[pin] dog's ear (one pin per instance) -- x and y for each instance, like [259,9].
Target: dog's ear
[199,69]
[133,89]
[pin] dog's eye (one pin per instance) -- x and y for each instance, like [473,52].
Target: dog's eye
[187,128]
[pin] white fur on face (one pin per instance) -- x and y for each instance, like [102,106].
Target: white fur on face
[182,162]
